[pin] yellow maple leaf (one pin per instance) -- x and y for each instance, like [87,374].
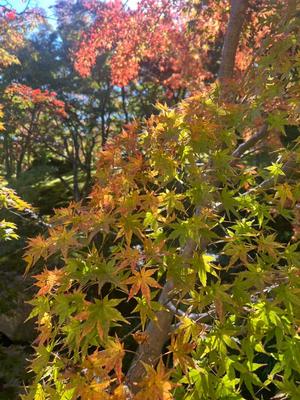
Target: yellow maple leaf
[156,384]
[37,248]
[181,350]
[94,390]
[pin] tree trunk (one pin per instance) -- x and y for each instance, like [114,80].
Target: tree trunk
[75,164]
[231,41]
[7,159]
[88,174]
[103,131]
[124,105]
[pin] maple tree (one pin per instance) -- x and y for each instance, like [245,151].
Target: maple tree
[179,237]
[153,37]
[13,28]
[27,110]
[175,43]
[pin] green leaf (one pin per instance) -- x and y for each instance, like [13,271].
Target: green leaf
[203,266]
[68,394]
[275,170]
[104,315]
[147,310]
[39,393]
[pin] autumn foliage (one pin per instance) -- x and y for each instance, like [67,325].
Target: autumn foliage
[154,34]
[173,280]
[29,97]
[12,30]
[174,43]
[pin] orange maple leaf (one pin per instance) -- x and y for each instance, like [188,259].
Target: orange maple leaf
[94,390]
[45,329]
[37,247]
[104,361]
[142,280]
[48,280]
[121,393]
[140,337]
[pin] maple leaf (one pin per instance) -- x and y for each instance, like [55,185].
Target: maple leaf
[106,360]
[180,350]
[121,393]
[203,265]
[94,390]
[269,245]
[156,384]
[191,329]
[285,194]
[140,337]
[37,247]
[48,280]
[142,280]
[39,393]
[45,328]
[129,225]
[146,309]
[102,315]
[63,240]
[275,170]
[130,257]
[238,251]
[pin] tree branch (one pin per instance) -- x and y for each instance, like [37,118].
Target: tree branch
[288,168]
[257,137]
[31,215]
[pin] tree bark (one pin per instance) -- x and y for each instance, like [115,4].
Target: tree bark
[75,164]
[236,20]
[7,156]
[124,105]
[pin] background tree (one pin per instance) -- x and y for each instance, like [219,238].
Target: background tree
[97,109]
[12,31]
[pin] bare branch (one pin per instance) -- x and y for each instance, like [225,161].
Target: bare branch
[31,215]
[180,313]
[257,137]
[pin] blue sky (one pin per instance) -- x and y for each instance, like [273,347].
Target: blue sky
[19,5]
